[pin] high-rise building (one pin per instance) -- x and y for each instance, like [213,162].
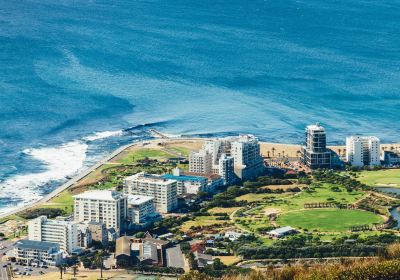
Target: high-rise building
[104,206]
[98,232]
[362,151]
[244,149]
[141,209]
[226,168]
[200,162]
[163,191]
[314,153]
[64,233]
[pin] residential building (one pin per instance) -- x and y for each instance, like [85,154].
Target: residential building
[314,153]
[281,232]
[187,184]
[244,150]
[141,209]
[163,191]
[148,250]
[104,206]
[64,233]
[214,181]
[32,251]
[98,232]
[391,158]
[200,162]
[362,151]
[226,169]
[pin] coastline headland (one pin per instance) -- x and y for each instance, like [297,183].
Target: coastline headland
[267,150]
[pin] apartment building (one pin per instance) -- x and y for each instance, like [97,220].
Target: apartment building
[65,233]
[363,150]
[187,184]
[163,191]
[314,153]
[141,209]
[226,169]
[104,206]
[200,162]
[31,251]
[98,232]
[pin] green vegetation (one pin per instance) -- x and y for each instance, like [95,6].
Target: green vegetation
[380,178]
[328,220]
[63,201]
[141,154]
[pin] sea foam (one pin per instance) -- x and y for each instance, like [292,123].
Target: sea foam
[103,135]
[59,162]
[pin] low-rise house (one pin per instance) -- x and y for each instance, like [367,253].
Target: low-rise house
[202,259]
[233,235]
[132,250]
[214,181]
[281,232]
[31,251]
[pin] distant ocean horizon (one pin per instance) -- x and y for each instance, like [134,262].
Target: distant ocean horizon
[79,78]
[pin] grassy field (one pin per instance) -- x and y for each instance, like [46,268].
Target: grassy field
[383,178]
[218,210]
[140,154]
[324,193]
[228,260]
[328,220]
[64,201]
[202,221]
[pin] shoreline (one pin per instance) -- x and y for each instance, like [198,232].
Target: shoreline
[265,147]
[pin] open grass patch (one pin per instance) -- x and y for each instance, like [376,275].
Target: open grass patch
[63,201]
[380,178]
[220,210]
[203,221]
[136,155]
[328,220]
[256,197]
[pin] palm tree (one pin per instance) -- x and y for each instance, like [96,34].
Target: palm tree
[99,261]
[268,154]
[340,152]
[298,153]
[273,151]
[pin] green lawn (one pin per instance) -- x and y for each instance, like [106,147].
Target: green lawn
[64,201]
[318,194]
[383,178]
[143,153]
[182,150]
[254,197]
[328,220]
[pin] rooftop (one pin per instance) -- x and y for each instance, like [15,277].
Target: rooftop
[184,178]
[149,178]
[282,230]
[101,195]
[37,245]
[138,199]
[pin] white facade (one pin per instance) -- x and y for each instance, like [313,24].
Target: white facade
[200,162]
[163,191]
[104,206]
[64,233]
[140,208]
[362,151]
[187,184]
[31,251]
[244,149]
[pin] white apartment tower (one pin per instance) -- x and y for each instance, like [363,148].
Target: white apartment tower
[64,233]
[104,206]
[163,191]
[200,162]
[362,151]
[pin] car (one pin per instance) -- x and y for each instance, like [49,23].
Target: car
[4,265]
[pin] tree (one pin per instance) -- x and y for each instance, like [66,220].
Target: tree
[99,262]
[273,151]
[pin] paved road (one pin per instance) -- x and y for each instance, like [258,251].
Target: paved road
[3,273]
[175,257]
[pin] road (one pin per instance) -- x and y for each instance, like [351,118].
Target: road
[175,257]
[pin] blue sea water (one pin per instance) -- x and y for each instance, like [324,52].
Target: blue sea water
[74,73]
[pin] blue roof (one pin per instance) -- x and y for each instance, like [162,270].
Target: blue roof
[184,178]
[36,245]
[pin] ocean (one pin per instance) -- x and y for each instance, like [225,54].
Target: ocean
[76,74]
